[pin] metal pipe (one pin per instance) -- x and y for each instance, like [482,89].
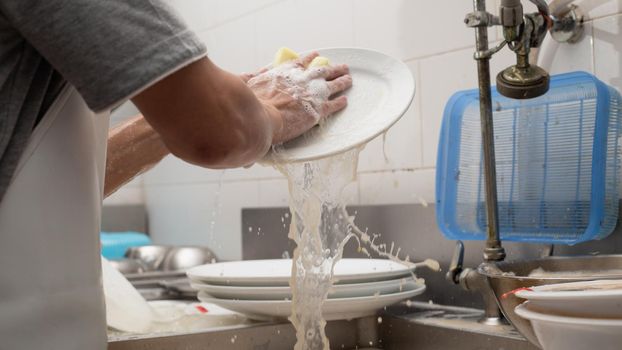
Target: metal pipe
[542,6]
[493,250]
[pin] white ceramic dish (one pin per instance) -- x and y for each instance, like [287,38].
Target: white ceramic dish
[576,333]
[126,309]
[277,272]
[284,292]
[596,299]
[333,309]
[383,88]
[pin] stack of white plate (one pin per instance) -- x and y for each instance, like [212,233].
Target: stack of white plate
[578,315]
[260,288]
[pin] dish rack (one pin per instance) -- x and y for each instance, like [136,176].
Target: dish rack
[557,162]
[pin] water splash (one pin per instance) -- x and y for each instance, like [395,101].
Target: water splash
[320,231]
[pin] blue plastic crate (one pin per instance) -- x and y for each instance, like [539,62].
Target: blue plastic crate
[557,161]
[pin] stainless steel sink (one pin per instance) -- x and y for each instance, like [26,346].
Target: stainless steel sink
[504,277]
[414,325]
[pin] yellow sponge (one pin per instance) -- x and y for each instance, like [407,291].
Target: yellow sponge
[283,55]
[319,62]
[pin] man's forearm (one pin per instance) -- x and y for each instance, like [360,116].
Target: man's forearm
[133,148]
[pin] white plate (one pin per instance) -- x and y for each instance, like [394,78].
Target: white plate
[280,293]
[277,272]
[333,309]
[383,88]
[126,309]
[576,333]
[597,299]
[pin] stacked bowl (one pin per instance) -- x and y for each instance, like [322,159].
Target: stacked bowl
[579,315]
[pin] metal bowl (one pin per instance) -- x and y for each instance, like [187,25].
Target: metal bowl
[151,255]
[504,277]
[129,266]
[182,258]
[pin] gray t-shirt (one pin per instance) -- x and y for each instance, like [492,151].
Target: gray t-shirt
[108,49]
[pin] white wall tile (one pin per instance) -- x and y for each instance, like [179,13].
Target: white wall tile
[608,50]
[397,187]
[230,9]
[411,29]
[233,45]
[126,196]
[402,144]
[199,14]
[244,34]
[600,8]
[183,214]
[130,193]
[275,193]
[561,58]
[303,25]
[441,77]
[172,170]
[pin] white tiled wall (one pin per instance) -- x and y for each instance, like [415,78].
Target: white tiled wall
[429,36]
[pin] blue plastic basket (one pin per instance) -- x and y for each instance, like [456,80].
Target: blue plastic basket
[557,160]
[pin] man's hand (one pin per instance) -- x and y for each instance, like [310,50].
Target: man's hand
[298,97]
[212,118]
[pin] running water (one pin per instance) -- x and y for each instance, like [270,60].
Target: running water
[320,231]
[321,227]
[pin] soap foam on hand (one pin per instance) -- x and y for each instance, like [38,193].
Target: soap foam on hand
[306,87]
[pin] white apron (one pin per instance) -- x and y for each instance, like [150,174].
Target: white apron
[50,274]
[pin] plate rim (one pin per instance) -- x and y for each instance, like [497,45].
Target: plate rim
[268,159]
[418,288]
[542,292]
[262,280]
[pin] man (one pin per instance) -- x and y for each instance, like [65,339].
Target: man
[63,65]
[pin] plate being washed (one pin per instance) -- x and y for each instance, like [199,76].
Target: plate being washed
[383,88]
[333,309]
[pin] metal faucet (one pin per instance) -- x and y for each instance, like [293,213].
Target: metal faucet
[521,33]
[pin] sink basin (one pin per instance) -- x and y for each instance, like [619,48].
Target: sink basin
[504,277]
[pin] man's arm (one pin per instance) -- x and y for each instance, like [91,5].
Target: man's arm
[133,148]
[212,118]
[208,117]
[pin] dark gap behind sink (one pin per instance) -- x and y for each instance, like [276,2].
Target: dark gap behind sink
[413,228]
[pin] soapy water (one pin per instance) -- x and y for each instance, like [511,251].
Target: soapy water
[216,209]
[306,86]
[320,224]
[321,227]
[320,231]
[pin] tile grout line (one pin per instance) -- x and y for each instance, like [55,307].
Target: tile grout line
[263,179]
[240,16]
[496,41]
